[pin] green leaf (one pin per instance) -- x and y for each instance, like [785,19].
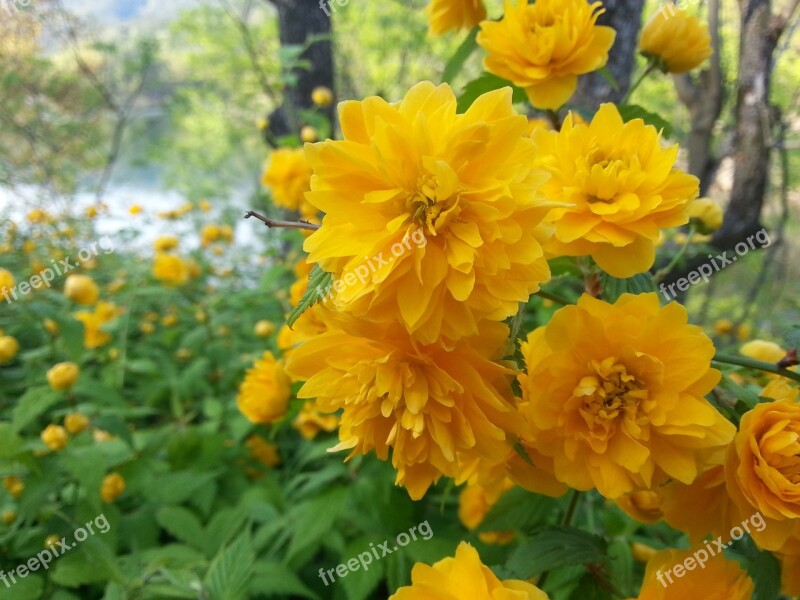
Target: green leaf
[229,574]
[33,403]
[746,399]
[29,588]
[10,442]
[312,520]
[621,567]
[629,112]
[552,547]
[609,77]
[589,589]
[182,524]
[487,83]
[358,583]
[613,288]
[319,283]
[766,573]
[275,579]
[518,509]
[792,337]
[456,62]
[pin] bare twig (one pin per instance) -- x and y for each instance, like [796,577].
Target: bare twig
[284,224]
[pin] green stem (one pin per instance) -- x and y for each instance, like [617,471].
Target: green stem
[759,365]
[651,66]
[553,298]
[659,276]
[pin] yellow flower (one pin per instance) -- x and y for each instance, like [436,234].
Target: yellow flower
[100,436]
[170,269]
[474,503]
[263,451]
[112,487]
[618,188]
[14,486]
[451,577]
[51,327]
[762,468]
[642,505]
[209,234]
[615,394]
[169,320]
[7,282]
[723,326]
[308,134]
[264,329]
[63,375]
[76,423]
[205,205]
[91,212]
[81,289]
[677,40]
[744,332]
[453,15]
[9,516]
[165,243]
[432,405]
[762,350]
[706,214]
[711,507]
[543,47]
[135,209]
[288,177]
[93,322]
[55,437]
[37,215]
[310,421]
[264,393]
[322,96]
[9,347]
[51,540]
[448,228]
[718,579]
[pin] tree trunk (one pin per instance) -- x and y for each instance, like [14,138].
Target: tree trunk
[299,21]
[625,16]
[703,97]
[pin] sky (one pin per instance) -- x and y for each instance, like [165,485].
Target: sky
[126,11]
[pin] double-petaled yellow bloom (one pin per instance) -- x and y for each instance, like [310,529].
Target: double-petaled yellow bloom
[466,577]
[678,41]
[432,405]
[264,393]
[615,394]
[544,47]
[719,579]
[287,175]
[447,15]
[618,188]
[432,218]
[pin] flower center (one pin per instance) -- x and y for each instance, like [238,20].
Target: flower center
[609,393]
[781,450]
[431,205]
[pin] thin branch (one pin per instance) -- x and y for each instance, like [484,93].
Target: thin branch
[281,224]
[758,365]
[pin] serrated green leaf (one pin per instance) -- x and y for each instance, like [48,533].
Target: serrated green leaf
[553,547]
[589,589]
[359,584]
[313,519]
[620,563]
[33,403]
[461,55]
[319,283]
[182,524]
[10,442]
[629,112]
[275,579]
[613,287]
[487,83]
[229,574]
[518,509]
[29,588]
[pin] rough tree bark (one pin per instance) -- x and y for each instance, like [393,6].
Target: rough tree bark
[625,16]
[298,21]
[703,96]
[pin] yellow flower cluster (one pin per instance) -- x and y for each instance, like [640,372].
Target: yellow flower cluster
[94,321]
[288,177]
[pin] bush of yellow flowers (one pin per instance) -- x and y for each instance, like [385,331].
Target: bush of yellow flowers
[453,377]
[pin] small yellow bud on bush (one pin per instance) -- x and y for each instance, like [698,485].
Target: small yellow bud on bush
[55,437]
[81,289]
[76,423]
[112,487]
[63,375]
